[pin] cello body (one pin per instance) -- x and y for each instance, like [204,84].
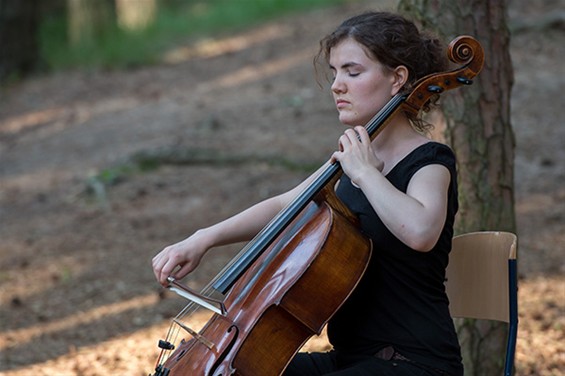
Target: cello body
[281,301]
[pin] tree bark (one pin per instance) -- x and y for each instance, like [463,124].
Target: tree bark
[477,126]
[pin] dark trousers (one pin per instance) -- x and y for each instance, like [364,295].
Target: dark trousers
[329,364]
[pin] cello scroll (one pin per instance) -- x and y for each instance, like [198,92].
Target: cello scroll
[462,50]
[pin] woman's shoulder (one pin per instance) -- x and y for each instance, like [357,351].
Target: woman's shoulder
[431,152]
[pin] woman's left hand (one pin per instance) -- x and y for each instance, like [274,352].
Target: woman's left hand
[356,154]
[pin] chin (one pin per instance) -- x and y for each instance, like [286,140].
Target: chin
[351,124]
[352,121]
[348,122]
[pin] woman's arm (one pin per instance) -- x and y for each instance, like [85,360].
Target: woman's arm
[416,217]
[181,258]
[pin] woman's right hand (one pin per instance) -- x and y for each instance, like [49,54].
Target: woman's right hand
[177,260]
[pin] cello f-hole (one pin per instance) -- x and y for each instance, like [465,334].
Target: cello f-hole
[225,353]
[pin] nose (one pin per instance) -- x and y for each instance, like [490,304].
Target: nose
[338,86]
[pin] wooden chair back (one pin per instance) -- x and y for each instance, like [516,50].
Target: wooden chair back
[477,276]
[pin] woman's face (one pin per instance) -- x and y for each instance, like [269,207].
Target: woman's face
[362,85]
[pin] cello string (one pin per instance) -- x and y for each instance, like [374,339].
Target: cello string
[172,336]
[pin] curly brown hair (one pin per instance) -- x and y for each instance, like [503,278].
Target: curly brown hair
[393,41]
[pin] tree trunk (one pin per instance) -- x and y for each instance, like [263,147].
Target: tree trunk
[477,126]
[88,20]
[19,49]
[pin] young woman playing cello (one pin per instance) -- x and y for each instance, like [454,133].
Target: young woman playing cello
[403,188]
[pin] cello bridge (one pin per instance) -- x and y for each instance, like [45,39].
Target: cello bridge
[197,336]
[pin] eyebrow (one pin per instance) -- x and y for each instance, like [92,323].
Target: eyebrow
[346,65]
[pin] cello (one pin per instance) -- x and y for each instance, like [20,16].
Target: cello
[286,283]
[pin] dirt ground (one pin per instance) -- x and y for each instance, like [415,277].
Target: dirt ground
[78,229]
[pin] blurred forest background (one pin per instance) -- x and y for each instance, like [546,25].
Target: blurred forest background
[127,124]
[53,35]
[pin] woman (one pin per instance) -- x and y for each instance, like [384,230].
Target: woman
[403,188]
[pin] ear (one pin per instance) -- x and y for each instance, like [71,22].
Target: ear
[400,77]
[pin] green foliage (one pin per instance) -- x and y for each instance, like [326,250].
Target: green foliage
[175,22]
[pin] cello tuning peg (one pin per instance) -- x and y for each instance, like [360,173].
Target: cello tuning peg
[435,89]
[464,80]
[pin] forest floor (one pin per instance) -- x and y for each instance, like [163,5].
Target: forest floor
[225,123]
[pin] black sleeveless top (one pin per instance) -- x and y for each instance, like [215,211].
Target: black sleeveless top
[401,299]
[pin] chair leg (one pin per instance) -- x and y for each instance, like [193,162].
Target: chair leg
[513,329]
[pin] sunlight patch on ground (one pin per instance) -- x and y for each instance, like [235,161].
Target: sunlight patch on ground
[257,72]
[77,320]
[62,270]
[31,183]
[22,122]
[130,354]
[215,47]
[541,331]
[75,114]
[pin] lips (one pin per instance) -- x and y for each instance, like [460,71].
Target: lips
[341,103]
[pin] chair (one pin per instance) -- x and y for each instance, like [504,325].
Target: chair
[482,282]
